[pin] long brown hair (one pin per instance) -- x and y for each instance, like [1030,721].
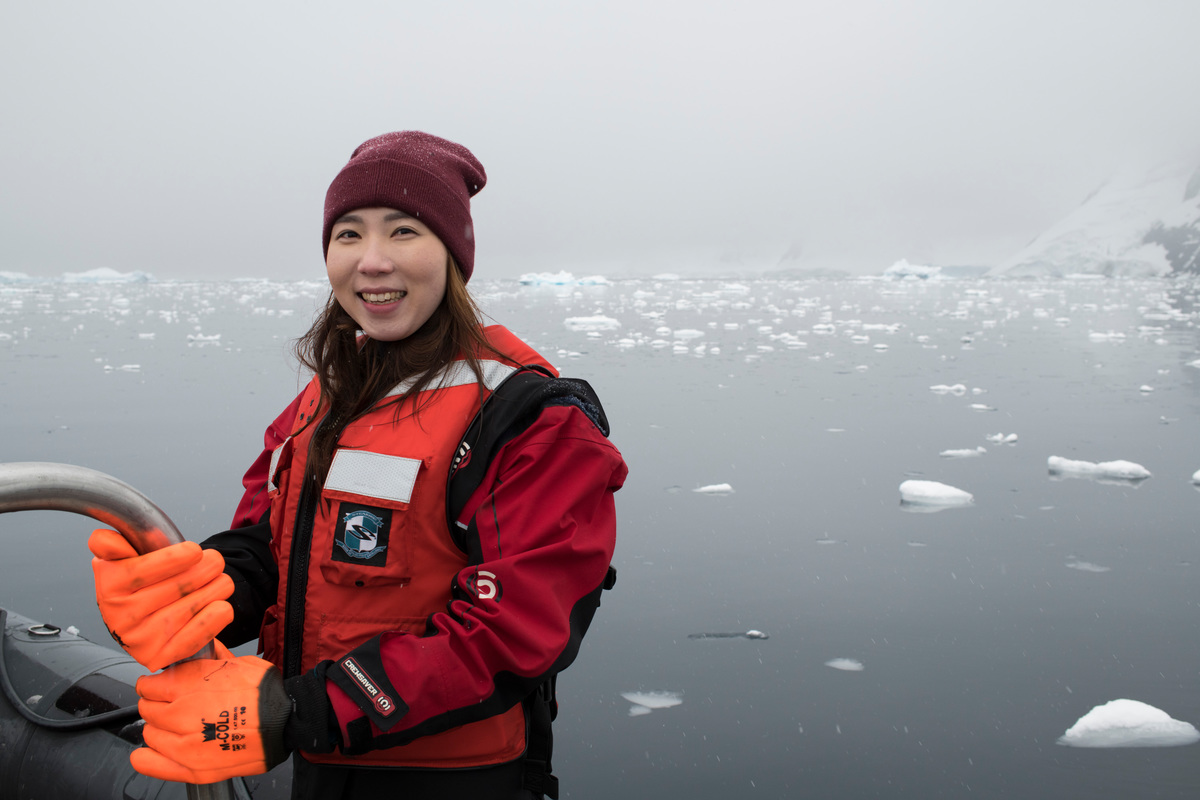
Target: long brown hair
[357,372]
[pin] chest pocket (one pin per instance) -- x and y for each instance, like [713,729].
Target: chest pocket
[369,495]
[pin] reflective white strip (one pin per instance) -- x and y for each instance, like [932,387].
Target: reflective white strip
[275,454]
[460,374]
[373,475]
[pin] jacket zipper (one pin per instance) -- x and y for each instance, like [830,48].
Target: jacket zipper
[297,577]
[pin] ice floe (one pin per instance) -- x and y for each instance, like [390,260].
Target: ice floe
[1001,438]
[941,388]
[714,488]
[963,453]
[933,494]
[1105,470]
[560,279]
[1196,477]
[845,664]
[750,634]
[645,702]
[1128,723]
[596,323]
[1087,566]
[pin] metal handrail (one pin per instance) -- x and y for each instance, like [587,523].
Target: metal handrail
[45,486]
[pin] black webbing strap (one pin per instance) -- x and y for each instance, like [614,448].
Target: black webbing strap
[542,709]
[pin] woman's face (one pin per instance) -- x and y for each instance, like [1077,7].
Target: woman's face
[387,270]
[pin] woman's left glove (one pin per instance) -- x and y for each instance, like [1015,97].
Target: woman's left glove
[212,719]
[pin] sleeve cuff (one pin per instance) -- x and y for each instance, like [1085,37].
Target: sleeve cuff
[312,727]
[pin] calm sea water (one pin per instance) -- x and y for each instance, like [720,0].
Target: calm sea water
[982,632]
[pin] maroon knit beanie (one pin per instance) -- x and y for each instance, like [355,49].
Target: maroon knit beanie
[428,177]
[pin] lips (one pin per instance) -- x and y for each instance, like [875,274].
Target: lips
[381,297]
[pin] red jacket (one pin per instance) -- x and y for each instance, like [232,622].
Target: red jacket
[431,656]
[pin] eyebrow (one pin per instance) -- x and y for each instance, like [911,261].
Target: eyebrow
[392,217]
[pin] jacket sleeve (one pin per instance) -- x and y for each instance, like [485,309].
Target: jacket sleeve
[248,560]
[542,530]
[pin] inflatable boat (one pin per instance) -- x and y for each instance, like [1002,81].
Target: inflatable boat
[68,709]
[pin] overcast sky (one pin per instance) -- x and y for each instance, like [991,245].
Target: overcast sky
[625,136]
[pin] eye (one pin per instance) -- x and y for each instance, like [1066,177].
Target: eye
[346,234]
[403,230]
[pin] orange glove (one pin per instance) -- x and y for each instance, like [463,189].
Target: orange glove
[212,719]
[163,606]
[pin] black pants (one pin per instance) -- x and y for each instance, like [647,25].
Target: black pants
[327,782]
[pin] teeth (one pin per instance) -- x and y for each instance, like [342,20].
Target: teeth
[384,297]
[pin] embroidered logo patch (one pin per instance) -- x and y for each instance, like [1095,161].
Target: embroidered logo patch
[362,535]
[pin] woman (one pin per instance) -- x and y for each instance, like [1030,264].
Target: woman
[421,544]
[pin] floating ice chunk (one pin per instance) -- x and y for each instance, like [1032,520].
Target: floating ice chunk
[956,389]
[1113,470]
[1000,438]
[1195,363]
[932,493]
[750,634]
[645,702]
[1128,723]
[715,488]
[1196,477]
[597,323]
[980,407]
[688,333]
[1087,566]
[561,278]
[145,335]
[845,664]
[966,453]
[201,340]
[1110,336]
[1145,389]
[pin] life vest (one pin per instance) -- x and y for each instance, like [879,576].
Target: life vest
[372,552]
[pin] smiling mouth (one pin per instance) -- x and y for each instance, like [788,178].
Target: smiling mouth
[382,297]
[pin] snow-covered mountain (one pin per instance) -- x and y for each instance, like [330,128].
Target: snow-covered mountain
[1139,223]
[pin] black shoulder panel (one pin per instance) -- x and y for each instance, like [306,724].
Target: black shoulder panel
[509,411]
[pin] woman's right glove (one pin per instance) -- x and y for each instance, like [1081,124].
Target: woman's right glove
[162,606]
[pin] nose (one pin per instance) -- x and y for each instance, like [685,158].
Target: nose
[375,259]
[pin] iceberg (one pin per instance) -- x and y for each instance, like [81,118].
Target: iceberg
[106,275]
[903,270]
[1128,723]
